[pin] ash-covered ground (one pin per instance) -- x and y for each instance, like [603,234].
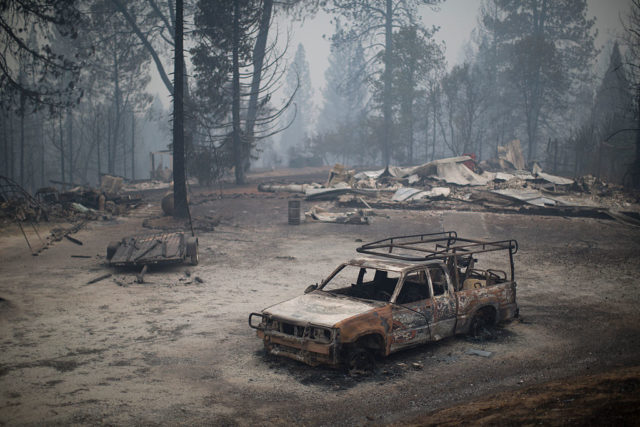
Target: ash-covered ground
[177,349]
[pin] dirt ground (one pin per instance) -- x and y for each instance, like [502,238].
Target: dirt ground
[177,349]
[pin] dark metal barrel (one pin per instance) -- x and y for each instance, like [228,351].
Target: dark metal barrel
[294,212]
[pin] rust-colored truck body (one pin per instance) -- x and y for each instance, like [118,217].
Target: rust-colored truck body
[410,300]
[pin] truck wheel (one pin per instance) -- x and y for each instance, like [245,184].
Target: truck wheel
[480,329]
[360,361]
[192,250]
[111,249]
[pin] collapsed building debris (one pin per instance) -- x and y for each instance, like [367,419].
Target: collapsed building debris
[407,193]
[510,155]
[334,192]
[17,204]
[339,174]
[452,171]
[457,183]
[287,188]
[76,205]
[83,202]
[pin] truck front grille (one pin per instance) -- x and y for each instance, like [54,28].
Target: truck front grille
[315,333]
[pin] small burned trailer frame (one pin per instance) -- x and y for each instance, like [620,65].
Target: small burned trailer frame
[160,248]
[425,287]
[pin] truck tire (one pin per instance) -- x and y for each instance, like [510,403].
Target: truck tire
[360,361]
[192,251]
[482,324]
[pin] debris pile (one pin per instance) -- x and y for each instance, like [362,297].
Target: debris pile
[502,184]
[78,203]
[76,206]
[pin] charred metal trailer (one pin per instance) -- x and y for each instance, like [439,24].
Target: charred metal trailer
[160,248]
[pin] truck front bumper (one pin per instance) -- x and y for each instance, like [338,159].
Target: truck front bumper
[298,345]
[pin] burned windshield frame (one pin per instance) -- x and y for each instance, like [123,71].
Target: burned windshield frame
[363,282]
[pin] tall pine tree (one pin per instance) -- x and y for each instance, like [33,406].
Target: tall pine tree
[299,118]
[546,49]
[342,116]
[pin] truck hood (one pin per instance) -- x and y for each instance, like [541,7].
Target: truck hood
[319,308]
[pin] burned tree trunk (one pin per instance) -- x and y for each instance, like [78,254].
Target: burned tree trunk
[387,81]
[235,107]
[5,144]
[70,139]
[133,145]
[433,124]
[99,160]
[116,129]
[12,159]
[61,148]
[22,106]
[42,154]
[635,168]
[180,208]
[258,61]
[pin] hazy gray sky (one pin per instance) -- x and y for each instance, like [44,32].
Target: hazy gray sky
[456,19]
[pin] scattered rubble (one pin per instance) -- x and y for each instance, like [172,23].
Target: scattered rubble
[73,240]
[332,193]
[321,215]
[77,205]
[339,174]
[481,353]
[99,278]
[287,188]
[140,276]
[408,193]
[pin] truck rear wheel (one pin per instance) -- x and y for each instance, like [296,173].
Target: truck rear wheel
[481,326]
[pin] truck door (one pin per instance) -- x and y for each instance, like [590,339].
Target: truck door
[444,303]
[412,312]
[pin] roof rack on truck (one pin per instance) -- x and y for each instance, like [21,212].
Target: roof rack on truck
[432,246]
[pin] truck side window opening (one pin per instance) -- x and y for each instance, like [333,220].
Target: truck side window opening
[438,280]
[415,288]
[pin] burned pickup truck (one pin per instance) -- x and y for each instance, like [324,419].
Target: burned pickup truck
[408,291]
